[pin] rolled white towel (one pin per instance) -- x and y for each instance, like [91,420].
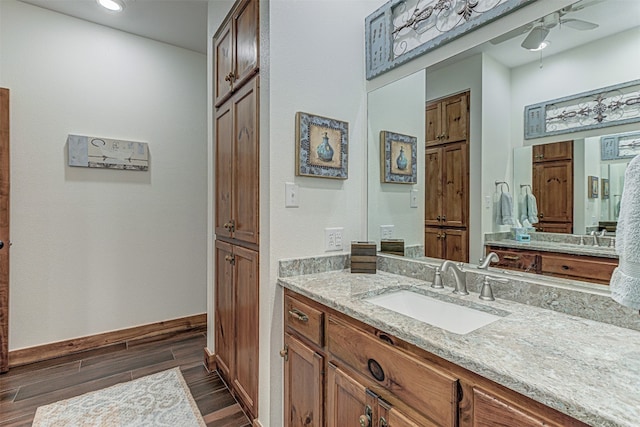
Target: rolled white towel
[625,281]
[532,208]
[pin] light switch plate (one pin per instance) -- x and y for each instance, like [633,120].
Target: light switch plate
[413,198]
[386,231]
[290,195]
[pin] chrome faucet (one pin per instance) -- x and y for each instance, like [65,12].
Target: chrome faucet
[484,263]
[595,238]
[603,232]
[458,274]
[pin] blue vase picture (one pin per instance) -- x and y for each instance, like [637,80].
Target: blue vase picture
[401,161]
[324,150]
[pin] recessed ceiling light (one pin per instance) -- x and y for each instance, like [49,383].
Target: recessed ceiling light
[112,5]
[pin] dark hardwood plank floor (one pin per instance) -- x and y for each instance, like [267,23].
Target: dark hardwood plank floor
[23,389]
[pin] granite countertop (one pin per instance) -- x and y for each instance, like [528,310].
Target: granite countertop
[566,248]
[583,368]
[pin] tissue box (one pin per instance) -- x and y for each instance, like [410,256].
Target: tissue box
[363,257]
[521,234]
[392,246]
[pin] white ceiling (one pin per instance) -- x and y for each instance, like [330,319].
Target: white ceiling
[181,23]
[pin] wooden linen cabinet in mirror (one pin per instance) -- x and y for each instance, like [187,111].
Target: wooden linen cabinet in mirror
[553,186]
[446,219]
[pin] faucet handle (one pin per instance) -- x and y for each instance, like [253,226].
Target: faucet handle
[486,293]
[460,265]
[437,280]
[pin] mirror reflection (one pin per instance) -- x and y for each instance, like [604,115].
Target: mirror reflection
[501,78]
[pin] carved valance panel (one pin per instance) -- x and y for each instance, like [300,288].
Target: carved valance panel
[401,30]
[608,106]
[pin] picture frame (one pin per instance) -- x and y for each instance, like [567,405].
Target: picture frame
[321,146]
[605,188]
[398,158]
[593,184]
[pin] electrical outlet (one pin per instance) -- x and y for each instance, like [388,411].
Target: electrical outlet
[413,198]
[386,231]
[333,238]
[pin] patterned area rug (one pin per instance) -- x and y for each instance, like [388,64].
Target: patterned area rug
[161,399]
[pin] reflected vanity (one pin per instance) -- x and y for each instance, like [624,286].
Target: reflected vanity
[502,79]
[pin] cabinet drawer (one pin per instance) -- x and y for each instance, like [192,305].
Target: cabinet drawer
[426,389]
[593,269]
[304,319]
[516,260]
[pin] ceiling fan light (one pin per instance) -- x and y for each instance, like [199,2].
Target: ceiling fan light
[112,5]
[535,39]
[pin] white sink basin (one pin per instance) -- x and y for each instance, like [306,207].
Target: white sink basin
[452,317]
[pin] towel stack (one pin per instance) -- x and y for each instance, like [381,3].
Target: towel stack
[625,281]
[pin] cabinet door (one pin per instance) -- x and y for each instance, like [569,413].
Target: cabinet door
[553,188]
[433,246]
[303,381]
[389,416]
[433,131]
[455,184]
[246,297]
[433,186]
[456,244]
[246,163]
[491,411]
[553,151]
[454,118]
[246,42]
[223,47]
[224,309]
[348,402]
[224,169]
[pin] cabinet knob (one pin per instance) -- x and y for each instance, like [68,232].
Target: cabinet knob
[541,215]
[444,235]
[230,226]
[284,353]
[444,218]
[438,218]
[231,259]
[383,422]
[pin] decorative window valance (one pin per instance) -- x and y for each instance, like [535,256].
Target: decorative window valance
[608,106]
[401,30]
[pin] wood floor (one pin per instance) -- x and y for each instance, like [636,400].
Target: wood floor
[25,388]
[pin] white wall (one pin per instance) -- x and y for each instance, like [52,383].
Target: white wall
[396,107]
[99,250]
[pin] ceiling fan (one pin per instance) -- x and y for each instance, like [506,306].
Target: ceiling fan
[538,30]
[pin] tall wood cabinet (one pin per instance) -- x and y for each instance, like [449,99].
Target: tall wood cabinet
[237,202]
[553,186]
[447,178]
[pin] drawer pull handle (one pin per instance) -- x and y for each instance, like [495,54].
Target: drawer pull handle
[365,420]
[383,422]
[565,267]
[386,338]
[376,370]
[511,257]
[299,315]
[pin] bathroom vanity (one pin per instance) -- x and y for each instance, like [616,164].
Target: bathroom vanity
[348,360]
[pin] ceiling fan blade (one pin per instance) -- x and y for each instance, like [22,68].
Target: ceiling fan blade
[534,39]
[579,24]
[511,34]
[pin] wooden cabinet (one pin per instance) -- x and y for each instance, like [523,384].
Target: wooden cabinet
[447,120]
[447,183]
[447,178]
[303,384]
[553,186]
[553,151]
[236,50]
[446,243]
[514,259]
[236,320]
[237,166]
[577,267]
[350,403]
[377,380]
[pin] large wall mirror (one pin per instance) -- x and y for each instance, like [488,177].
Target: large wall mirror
[590,44]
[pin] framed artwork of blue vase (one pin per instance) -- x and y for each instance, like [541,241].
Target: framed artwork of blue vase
[321,146]
[398,155]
